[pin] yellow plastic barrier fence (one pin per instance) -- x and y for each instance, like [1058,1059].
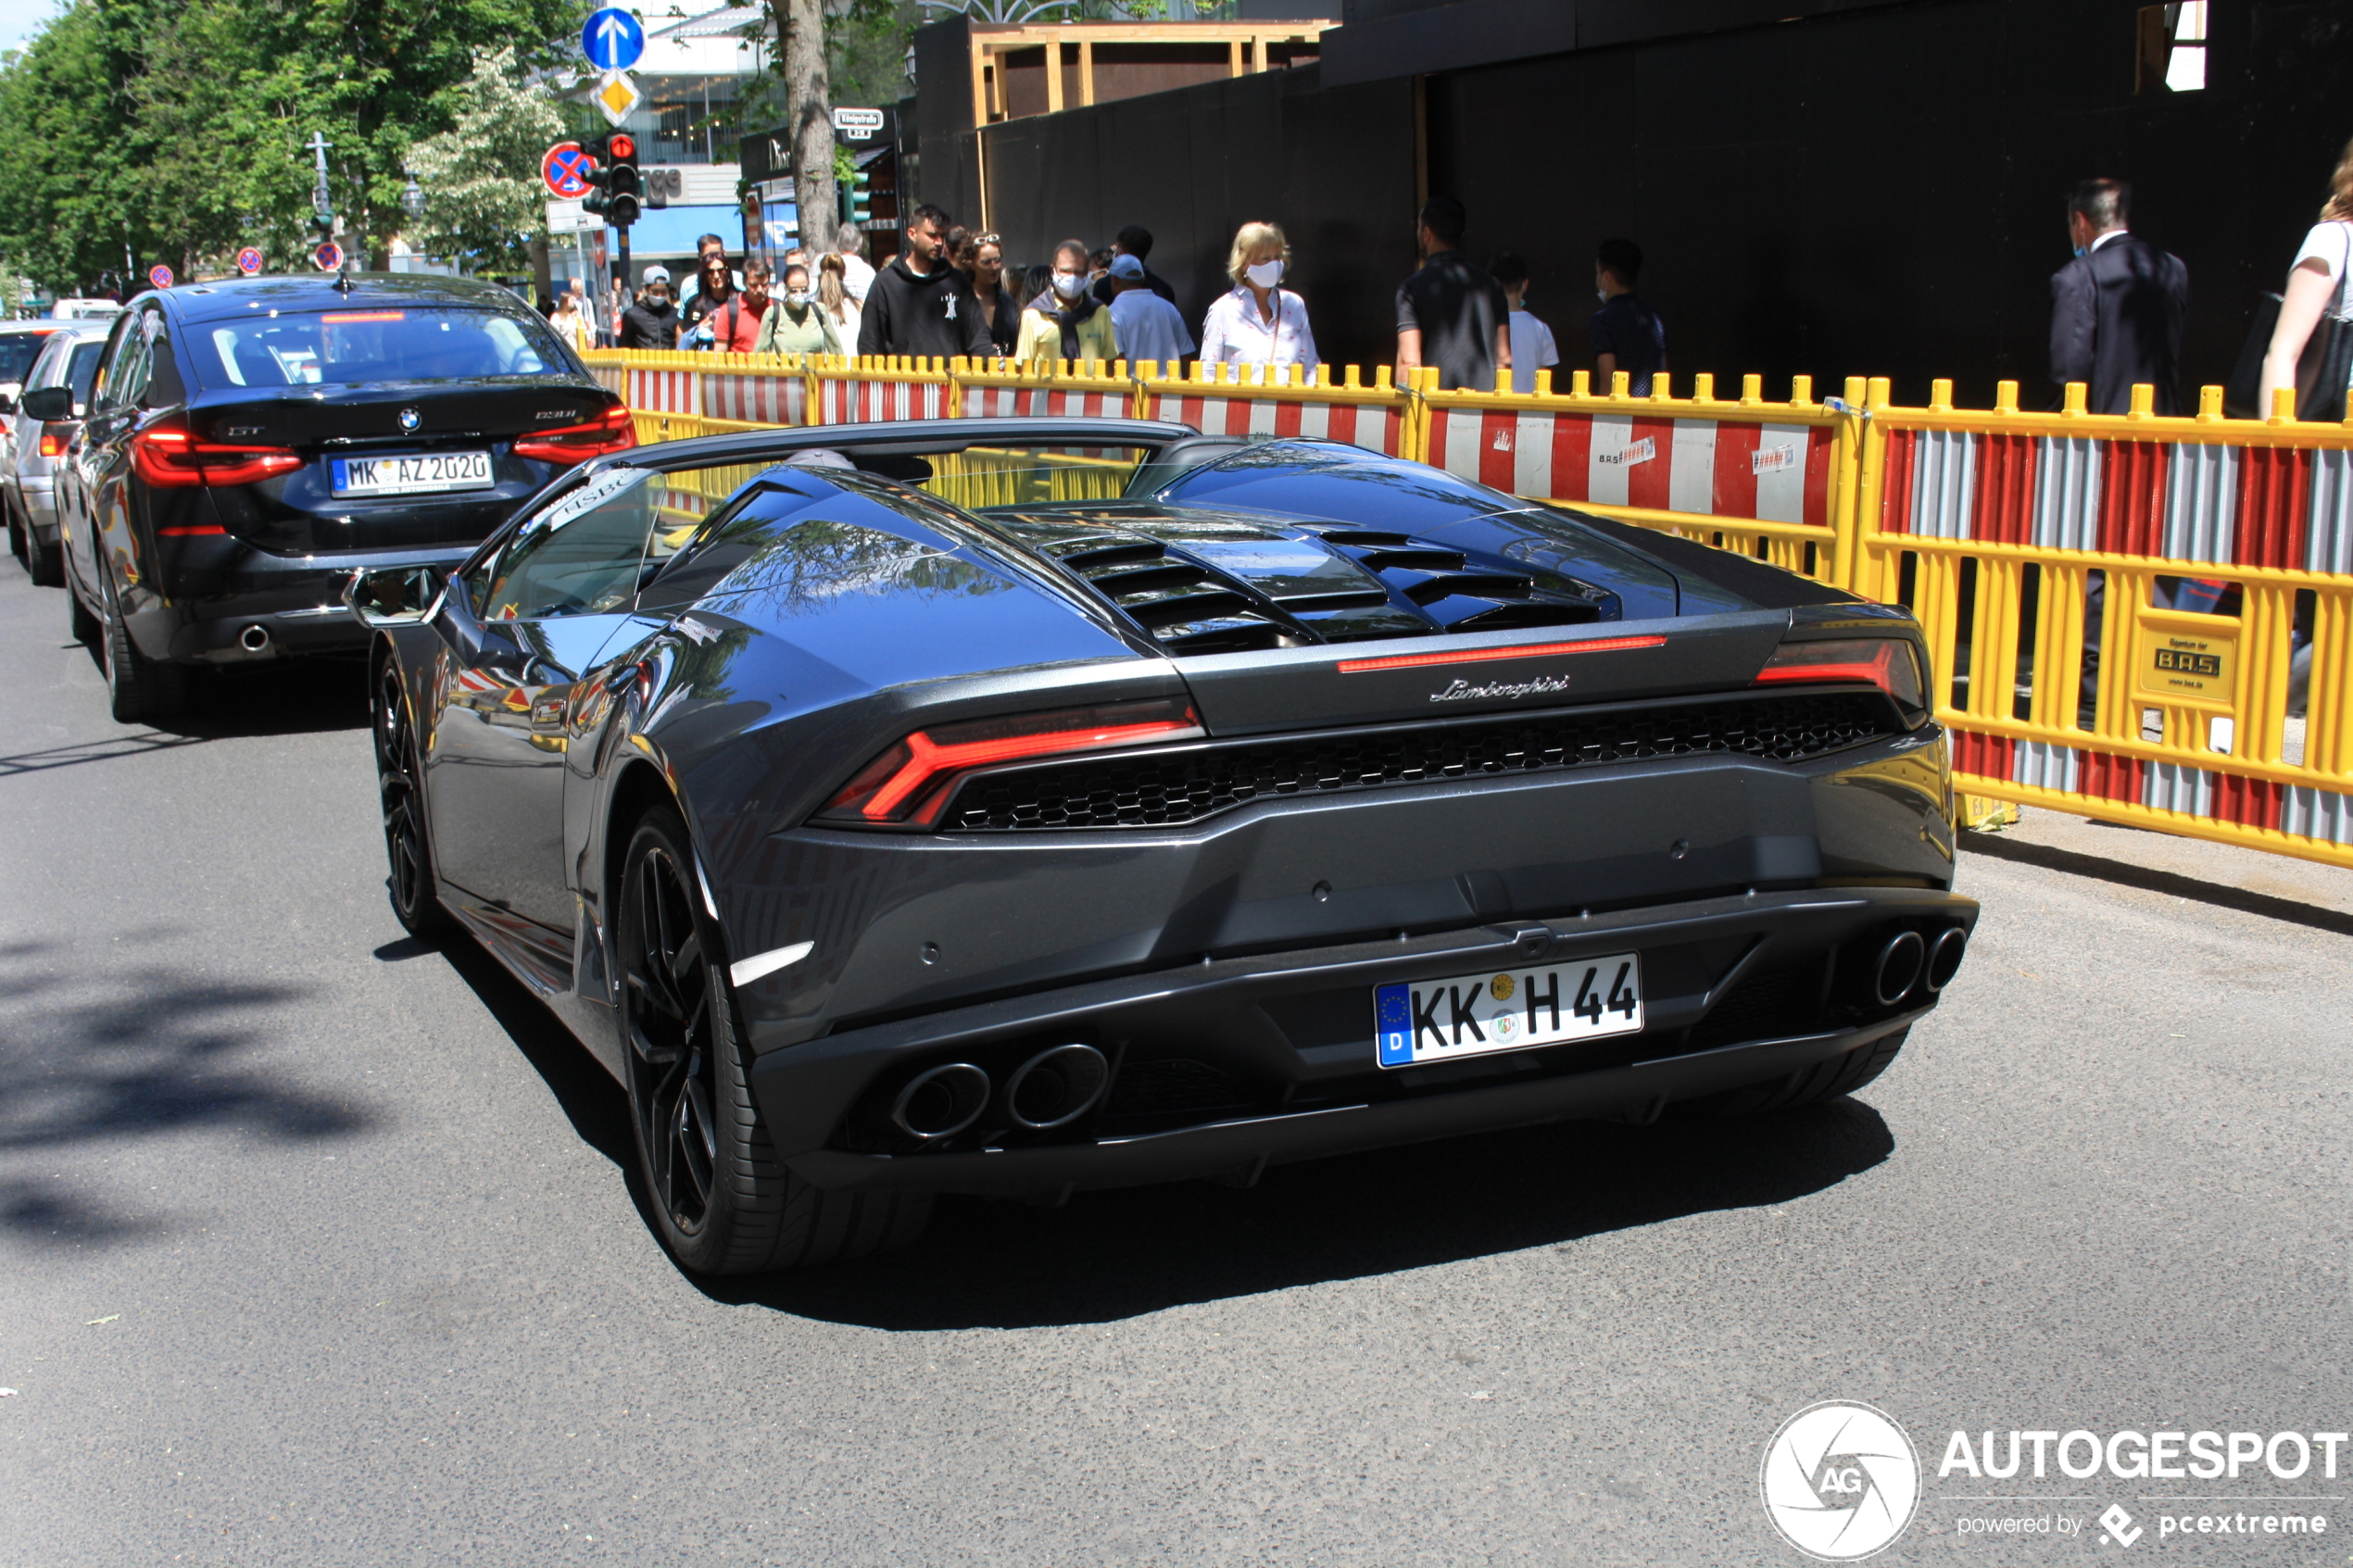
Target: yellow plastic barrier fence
[2115,603]
[1286,400]
[845,390]
[1004,388]
[1772,480]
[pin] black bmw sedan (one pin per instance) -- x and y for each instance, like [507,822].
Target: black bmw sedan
[250,445]
[1019,806]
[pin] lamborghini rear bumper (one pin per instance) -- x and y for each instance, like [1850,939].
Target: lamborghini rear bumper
[1277,1051]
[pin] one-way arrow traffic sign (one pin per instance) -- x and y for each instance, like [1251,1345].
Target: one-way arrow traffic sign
[612,39]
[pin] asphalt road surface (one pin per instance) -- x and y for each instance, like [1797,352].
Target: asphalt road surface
[317,1247]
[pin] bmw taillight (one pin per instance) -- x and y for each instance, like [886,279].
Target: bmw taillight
[613,431]
[166,453]
[1888,663]
[907,783]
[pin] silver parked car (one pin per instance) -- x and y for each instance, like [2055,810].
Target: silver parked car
[29,448]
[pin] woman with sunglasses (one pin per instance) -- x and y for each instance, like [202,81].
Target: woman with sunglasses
[718,288]
[983,262]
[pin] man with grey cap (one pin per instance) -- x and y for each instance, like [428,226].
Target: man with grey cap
[652,322]
[1148,327]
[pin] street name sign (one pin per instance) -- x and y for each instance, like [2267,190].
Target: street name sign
[858,124]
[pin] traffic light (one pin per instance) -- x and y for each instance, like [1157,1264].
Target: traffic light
[615,177]
[858,198]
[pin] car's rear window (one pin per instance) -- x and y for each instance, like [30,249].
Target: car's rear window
[18,351]
[83,370]
[366,344]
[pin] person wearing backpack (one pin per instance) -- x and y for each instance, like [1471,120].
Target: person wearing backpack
[2311,346]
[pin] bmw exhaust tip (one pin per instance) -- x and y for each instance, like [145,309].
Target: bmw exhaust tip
[1944,958]
[941,1103]
[255,638]
[1899,966]
[1056,1087]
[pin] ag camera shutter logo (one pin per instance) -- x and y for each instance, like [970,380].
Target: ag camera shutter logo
[1840,1480]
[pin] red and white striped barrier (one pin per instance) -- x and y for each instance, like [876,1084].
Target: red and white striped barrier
[1377,421]
[998,400]
[664,390]
[853,397]
[2190,500]
[776,398]
[1738,469]
[2179,787]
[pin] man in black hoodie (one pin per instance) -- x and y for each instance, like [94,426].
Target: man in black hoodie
[652,322]
[919,304]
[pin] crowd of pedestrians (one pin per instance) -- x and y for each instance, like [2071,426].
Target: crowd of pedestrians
[950,292]
[2118,309]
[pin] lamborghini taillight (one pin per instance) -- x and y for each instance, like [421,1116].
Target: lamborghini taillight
[911,781]
[1888,663]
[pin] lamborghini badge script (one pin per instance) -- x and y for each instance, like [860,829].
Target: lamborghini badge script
[1462,691]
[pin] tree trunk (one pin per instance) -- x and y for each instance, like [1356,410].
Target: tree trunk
[800,37]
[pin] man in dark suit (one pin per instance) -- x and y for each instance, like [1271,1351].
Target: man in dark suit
[2117,308]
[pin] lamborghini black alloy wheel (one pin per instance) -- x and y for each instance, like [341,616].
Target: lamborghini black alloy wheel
[667,1004]
[414,900]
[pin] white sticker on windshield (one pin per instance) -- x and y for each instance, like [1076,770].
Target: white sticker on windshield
[588,498]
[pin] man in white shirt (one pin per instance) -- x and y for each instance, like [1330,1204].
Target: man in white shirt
[1532,346]
[1148,327]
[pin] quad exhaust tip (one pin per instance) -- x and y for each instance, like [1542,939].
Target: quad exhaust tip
[1056,1087]
[1944,958]
[255,638]
[1899,966]
[942,1102]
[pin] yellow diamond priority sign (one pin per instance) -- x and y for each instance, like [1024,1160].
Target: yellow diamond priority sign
[617,96]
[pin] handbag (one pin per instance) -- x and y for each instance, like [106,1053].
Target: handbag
[2322,371]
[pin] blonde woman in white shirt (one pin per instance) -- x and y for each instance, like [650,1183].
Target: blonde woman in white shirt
[2316,287]
[1260,322]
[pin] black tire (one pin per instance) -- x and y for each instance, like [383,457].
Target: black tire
[721,1200]
[45,562]
[411,881]
[138,689]
[1811,1085]
[85,625]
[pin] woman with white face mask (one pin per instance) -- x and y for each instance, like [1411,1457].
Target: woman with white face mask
[1066,321]
[1261,322]
[797,324]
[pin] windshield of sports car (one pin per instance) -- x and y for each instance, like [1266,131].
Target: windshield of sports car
[370,344]
[976,478]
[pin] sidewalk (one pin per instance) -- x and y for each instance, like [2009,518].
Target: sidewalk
[2223,875]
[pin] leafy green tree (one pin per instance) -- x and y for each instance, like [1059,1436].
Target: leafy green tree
[180,128]
[481,177]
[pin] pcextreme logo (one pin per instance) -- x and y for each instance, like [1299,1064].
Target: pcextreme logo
[1840,1481]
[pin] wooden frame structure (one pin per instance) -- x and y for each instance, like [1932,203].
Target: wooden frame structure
[1248,46]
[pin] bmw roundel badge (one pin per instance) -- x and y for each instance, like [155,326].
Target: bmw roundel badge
[410,418]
